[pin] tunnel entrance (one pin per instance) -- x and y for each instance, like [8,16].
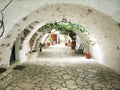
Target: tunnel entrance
[12,57]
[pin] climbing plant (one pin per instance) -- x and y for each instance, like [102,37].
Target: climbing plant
[64,28]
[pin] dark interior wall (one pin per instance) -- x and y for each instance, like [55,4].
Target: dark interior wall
[12,57]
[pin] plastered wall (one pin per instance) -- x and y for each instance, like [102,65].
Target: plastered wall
[105,30]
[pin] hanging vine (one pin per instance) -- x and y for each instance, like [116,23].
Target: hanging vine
[64,28]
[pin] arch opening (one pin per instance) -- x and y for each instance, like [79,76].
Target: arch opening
[67,29]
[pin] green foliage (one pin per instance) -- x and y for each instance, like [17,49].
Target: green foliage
[64,28]
[43,44]
[50,39]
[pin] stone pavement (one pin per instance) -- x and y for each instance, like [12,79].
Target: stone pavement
[63,70]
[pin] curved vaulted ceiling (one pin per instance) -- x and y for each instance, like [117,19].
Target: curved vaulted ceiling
[100,18]
[21,8]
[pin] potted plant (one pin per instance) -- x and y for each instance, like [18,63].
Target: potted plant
[88,55]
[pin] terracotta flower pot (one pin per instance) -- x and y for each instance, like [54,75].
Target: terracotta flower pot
[88,55]
[48,43]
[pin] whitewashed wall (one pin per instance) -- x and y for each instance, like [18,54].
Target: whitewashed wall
[105,29]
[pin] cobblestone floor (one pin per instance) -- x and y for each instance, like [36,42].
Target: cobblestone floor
[63,70]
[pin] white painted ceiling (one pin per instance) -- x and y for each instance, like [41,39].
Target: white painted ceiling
[21,8]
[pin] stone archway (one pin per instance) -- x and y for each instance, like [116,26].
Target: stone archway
[104,29]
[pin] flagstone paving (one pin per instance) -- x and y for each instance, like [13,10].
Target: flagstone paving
[66,71]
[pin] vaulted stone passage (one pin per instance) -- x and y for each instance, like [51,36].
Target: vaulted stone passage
[22,28]
[100,25]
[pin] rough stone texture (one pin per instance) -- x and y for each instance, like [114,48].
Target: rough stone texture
[5,79]
[32,41]
[64,72]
